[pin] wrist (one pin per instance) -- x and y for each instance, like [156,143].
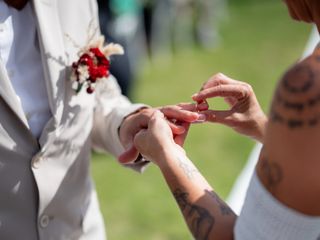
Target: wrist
[262,126]
[168,155]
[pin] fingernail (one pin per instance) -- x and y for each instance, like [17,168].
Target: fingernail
[194,95]
[201,117]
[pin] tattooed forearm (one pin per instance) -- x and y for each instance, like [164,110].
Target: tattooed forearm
[187,168]
[271,172]
[224,208]
[200,220]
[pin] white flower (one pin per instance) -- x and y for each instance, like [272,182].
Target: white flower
[73,77]
[83,71]
[112,49]
[75,85]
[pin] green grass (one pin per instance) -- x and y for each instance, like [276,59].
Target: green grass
[259,41]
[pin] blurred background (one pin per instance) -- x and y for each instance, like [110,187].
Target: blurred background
[173,46]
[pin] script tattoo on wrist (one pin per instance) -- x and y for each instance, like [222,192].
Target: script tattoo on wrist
[187,168]
[297,83]
[200,220]
[271,173]
[224,208]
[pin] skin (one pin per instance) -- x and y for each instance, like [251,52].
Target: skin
[289,162]
[245,115]
[290,158]
[206,215]
[184,112]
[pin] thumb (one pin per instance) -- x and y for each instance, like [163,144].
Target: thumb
[180,139]
[129,155]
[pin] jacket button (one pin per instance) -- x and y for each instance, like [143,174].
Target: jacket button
[36,160]
[44,221]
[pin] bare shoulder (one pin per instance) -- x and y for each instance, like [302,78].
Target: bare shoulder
[289,163]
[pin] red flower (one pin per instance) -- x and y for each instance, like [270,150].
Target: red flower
[97,72]
[90,89]
[97,52]
[98,67]
[86,59]
[105,62]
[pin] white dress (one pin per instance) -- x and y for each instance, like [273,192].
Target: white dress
[265,218]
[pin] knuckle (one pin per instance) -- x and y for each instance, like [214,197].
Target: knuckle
[220,89]
[249,87]
[219,75]
[146,113]
[248,90]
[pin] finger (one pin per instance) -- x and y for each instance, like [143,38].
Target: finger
[158,120]
[231,101]
[179,114]
[219,79]
[236,91]
[180,139]
[202,106]
[223,117]
[158,116]
[140,139]
[129,155]
[176,129]
[187,106]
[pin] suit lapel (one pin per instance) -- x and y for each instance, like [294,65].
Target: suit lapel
[53,54]
[54,63]
[8,94]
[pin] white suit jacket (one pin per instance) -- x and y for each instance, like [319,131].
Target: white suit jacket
[46,191]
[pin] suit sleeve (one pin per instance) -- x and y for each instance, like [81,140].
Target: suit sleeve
[110,110]
[111,107]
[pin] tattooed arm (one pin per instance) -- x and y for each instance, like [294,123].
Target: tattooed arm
[289,163]
[206,215]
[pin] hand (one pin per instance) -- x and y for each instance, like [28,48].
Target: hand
[158,139]
[184,112]
[244,116]
[176,114]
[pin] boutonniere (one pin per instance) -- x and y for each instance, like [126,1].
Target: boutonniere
[93,65]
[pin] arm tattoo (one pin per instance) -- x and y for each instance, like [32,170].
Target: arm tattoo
[276,117]
[271,172]
[296,83]
[295,123]
[224,208]
[300,79]
[200,219]
[187,168]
